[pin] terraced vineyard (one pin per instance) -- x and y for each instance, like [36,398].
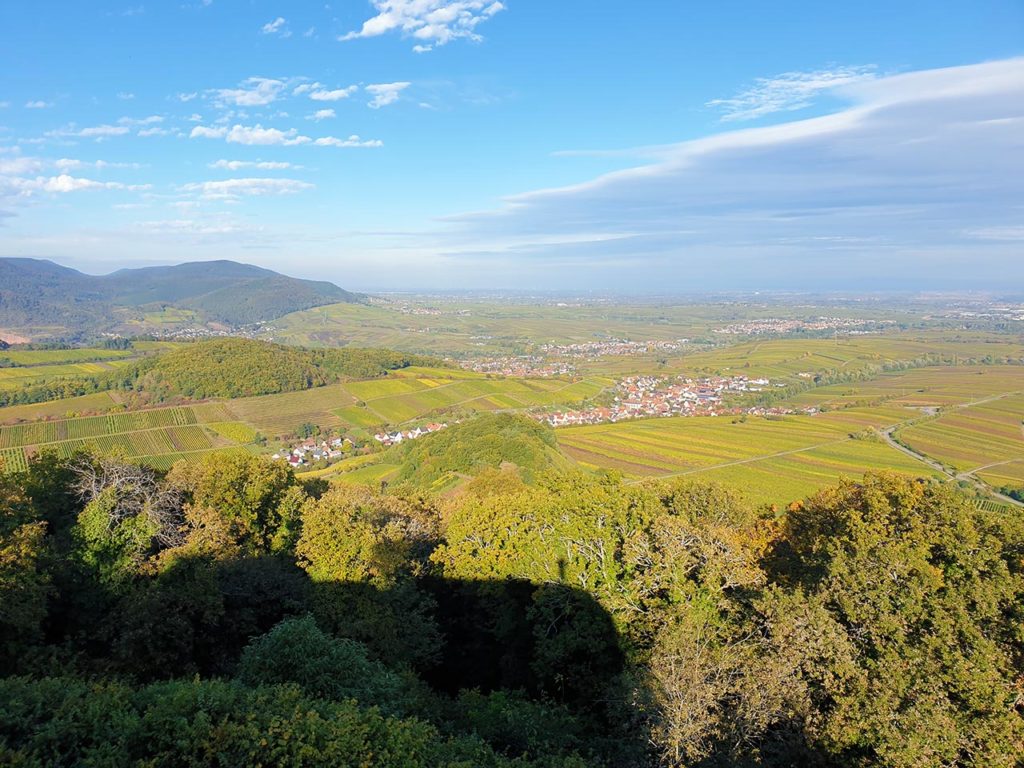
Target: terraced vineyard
[776,461]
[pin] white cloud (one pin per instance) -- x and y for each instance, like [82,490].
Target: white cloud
[39,104]
[915,183]
[125,96]
[66,183]
[154,131]
[140,121]
[97,132]
[250,187]
[183,97]
[18,166]
[254,92]
[430,22]
[266,165]
[276,27]
[351,141]
[335,95]
[69,164]
[384,93]
[321,114]
[309,32]
[240,134]
[787,92]
[205,132]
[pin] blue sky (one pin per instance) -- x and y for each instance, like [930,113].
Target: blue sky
[405,144]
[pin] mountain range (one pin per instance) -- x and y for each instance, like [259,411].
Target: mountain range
[42,299]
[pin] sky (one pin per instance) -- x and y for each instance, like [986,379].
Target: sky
[522,144]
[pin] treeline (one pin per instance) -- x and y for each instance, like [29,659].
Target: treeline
[228,614]
[229,367]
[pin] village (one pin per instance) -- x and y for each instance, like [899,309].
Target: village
[593,349]
[778,325]
[394,438]
[312,449]
[639,397]
[522,366]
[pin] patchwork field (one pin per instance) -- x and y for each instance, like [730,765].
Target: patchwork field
[775,461]
[922,387]
[155,435]
[986,437]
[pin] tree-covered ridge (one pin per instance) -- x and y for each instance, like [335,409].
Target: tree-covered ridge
[225,368]
[41,294]
[575,621]
[489,441]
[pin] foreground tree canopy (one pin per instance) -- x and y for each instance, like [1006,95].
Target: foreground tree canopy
[226,613]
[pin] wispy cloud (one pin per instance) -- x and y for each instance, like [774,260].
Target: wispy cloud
[351,141]
[263,165]
[125,96]
[98,132]
[385,93]
[917,179]
[321,114]
[38,104]
[277,27]
[336,94]
[250,187]
[430,22]
[787,92]
[257,135]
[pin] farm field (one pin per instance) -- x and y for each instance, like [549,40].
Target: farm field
[988,433]
[786,358]
[921,387]
[399,400]
[11,378]
[276,415]
[146,434]
[776,461]
[474,327]
[99,401]
[57,356]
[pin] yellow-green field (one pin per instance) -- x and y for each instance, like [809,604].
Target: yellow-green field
[922,387]
[774,461]
[986,437]
[57,356]
[159,436]
[11,378]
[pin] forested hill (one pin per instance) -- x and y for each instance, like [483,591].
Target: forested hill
[35,293]
[227,367]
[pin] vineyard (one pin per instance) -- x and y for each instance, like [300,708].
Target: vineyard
[776,461]
[158,435]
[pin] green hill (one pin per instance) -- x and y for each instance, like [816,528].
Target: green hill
[487,442]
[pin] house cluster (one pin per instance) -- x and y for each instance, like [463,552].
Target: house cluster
[393,438]
[779,325]
[311,450]
[524,365]
[648,396]
[610,347]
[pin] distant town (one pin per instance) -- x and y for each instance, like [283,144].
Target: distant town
[640,397]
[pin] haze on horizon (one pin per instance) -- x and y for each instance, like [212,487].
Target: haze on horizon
[468,144]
